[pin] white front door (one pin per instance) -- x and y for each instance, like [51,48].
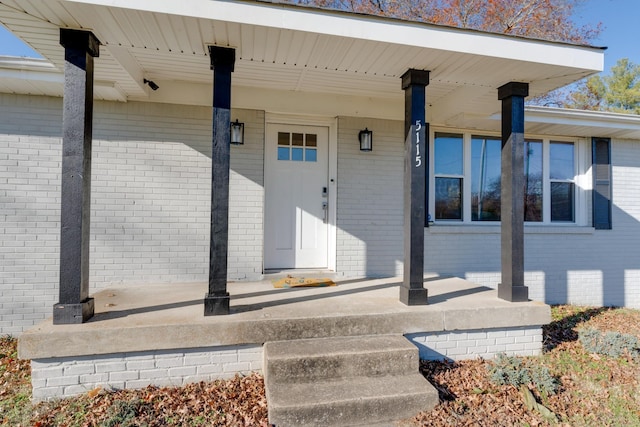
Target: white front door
[296,196]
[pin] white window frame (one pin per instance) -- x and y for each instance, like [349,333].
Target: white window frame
[581,179]
[466,174]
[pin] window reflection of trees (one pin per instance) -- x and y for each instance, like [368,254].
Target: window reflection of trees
[485,185]
[485,204]
[449,198]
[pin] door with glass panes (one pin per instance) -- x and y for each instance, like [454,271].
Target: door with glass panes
[296,198]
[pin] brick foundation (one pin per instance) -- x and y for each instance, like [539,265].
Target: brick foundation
[69,376]
[484,343]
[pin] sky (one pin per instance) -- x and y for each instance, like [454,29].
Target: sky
[621,30]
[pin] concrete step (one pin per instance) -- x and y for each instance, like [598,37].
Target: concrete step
[313,360]
[350,401]
[344,381]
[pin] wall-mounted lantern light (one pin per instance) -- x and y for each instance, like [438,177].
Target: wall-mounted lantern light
[237,133]
[366,140]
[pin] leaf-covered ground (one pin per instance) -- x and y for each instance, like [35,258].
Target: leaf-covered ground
[236,402]
[593,390]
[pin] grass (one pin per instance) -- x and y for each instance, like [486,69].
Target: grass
[598,389]
[606,382]
[15,385]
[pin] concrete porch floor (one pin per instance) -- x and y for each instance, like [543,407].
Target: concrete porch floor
[170,316]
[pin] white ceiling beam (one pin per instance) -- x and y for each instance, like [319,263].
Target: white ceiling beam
[109,91]
[129,65]
[277,101]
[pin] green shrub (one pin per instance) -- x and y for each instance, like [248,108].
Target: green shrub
[543,380]
[508,370]
[613,344]
[123,413]
[516,372]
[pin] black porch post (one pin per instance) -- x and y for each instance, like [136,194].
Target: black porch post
[512,194]
[216,301]
[75,306]
[412,291]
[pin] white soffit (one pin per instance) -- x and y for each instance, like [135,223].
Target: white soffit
[559,121]
[295,49]
[371,28]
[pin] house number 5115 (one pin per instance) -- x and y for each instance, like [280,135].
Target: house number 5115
[418,155]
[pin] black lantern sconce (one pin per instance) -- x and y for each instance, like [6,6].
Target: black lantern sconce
[237,133]
[366,140]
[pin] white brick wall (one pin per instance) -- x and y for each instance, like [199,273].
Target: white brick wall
[151,199]
[64,377]
[370,199]
[485,343]
[29,209]
[246,199]
[151,180]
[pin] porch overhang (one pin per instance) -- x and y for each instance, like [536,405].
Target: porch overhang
[300,50]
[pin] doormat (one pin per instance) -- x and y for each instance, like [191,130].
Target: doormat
[301,282]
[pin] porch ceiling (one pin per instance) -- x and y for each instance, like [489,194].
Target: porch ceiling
[287,48]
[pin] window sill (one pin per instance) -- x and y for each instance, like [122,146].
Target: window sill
[463,228]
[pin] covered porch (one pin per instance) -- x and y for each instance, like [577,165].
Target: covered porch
[292,60]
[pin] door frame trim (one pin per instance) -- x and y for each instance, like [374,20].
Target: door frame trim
[332,124]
